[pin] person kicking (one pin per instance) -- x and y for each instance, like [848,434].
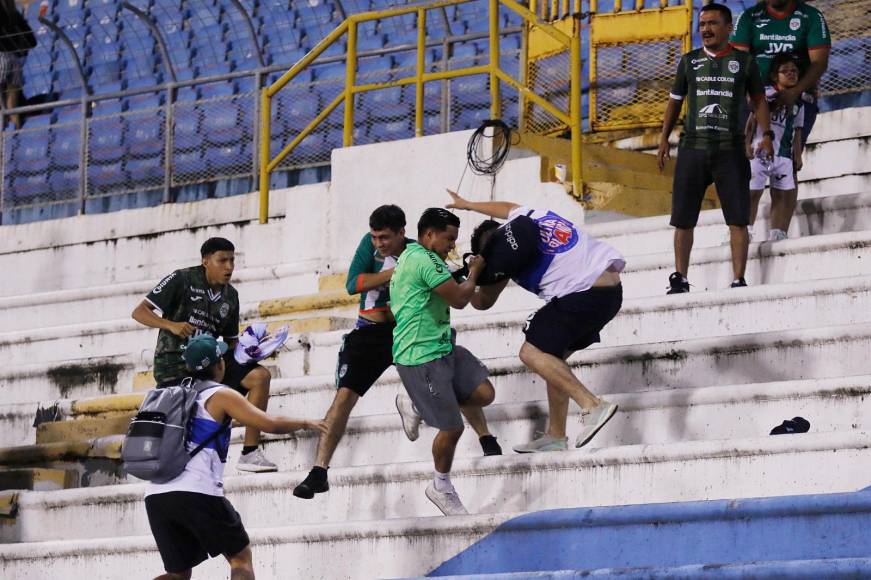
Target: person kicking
[579,278]
[441,378]
[366,351]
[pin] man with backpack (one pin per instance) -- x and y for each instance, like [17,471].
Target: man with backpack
[201,300]
[189,516]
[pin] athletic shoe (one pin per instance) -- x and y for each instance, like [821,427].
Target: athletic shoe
[448,502]
[594,420]
[410,418]
[775,235]
[677,284]
[543,443]
[313,483]
[739,283]
[489,445]
[255,462]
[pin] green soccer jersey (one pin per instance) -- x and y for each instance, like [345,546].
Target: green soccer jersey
[765,32]
[714,87]
[185,296]
[423,318]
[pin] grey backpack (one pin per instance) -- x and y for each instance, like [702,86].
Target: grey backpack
[155,448]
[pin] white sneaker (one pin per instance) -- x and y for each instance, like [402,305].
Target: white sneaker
[543,443]
[448,502]
[594,420]
[410,418]
[255,462]
[776,235]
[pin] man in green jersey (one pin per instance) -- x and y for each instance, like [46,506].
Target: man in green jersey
[441,378]
[777,26]
[714,80]
[200,300]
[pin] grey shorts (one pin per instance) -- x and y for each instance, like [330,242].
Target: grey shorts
[439,386]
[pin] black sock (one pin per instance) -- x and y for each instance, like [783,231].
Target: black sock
[248,449]
[319,472]
[489,445]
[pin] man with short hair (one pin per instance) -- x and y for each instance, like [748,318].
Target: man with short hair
[189,516]
[577,276]
[440,377]
[777,26]
[714,80]
[201,300]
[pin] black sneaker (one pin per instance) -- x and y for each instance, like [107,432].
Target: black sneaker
[739,283]
[314,482]
[678,284]
[489,445]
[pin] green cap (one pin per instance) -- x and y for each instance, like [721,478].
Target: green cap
[203,351]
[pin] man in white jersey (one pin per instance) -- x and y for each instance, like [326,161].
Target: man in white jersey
[579,278]
[189,516]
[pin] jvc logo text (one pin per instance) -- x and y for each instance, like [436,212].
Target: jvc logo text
[776,47]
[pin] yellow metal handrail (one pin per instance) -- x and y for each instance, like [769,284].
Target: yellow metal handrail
[349,26]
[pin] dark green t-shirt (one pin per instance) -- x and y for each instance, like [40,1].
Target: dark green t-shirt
[714,88]
[185,296]
[765,33]
[423,318]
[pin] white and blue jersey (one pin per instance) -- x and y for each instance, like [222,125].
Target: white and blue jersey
[204,473]
[568,260]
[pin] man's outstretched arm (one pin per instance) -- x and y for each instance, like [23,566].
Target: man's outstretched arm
[496,209]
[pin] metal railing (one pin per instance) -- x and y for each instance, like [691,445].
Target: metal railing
[493,69]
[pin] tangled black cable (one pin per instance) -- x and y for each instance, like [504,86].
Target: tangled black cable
[501,137]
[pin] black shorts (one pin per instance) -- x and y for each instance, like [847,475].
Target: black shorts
[573,322]
[728,169]
[365,354]
[235,372]
[190,527]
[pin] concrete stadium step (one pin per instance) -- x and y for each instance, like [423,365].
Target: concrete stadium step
[38,479]
[768,466]
[391,548]
[106,301]
[813,217]
[812,258]
[812,536]
[651,417]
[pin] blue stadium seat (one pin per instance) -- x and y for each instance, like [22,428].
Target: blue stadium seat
[296,110]
[66,146]
[41,119]
[473,90]
[186,134]
[381,97]
[312,146]
[150,100]
[146,171]
[30,149]
[28,188]
[106,177]
[144,137]
[64,182]
[391,130]
[229,159]
[470,118]
[187,163]
[221,122]
[105,143]
[329,71]
[392,111]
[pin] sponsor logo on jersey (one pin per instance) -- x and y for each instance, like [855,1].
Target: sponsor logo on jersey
[225,310]
[196,298]
[159,288]
[438,267]
[794,24]
[789,37]
[714,110]
[509,237]
[713,93]
[698,66]
[762,23]
[557,234]
[734,66]
[715,79]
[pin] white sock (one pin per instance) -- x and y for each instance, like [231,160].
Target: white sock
[442,482]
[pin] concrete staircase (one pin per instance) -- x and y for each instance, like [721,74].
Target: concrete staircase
[700,379]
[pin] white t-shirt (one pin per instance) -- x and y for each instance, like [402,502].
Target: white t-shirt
[204,473]
[569,260]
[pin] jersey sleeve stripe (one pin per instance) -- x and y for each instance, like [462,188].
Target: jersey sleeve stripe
[741,45]
[676,97]
[819,47]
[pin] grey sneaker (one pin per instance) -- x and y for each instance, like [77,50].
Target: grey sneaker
[776,235]
[255,462]
[542,443]
[593,420]
[410,418]
[448,502]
